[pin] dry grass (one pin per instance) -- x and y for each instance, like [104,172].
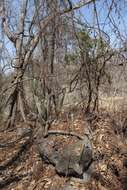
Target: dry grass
[113,104]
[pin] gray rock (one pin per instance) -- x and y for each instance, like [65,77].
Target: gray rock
[23,131]
[74,160]
[87,175]
[68,187]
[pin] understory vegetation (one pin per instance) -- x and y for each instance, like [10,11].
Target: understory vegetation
[63,98]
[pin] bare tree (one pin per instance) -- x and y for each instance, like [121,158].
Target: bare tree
[25,43]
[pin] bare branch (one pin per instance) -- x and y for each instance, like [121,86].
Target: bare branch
[5,24]
[7,30]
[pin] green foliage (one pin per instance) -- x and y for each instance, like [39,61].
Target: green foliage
[70,58]
[100,46]
[85,40]
[97,45]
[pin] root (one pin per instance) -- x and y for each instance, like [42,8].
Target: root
[11,144]
[14,158]
[64,133]
[11,179]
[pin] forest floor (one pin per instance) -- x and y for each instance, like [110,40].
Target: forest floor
[21,167]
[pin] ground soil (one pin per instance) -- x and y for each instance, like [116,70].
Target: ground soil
[21,167]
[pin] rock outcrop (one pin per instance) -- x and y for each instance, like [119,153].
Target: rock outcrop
[72,160]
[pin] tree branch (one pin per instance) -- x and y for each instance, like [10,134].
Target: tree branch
[11,36]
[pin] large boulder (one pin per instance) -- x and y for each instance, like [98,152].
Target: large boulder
[74,159]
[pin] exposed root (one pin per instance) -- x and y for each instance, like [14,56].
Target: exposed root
[16,155]
[64,133]
[10,144]
[11,179]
